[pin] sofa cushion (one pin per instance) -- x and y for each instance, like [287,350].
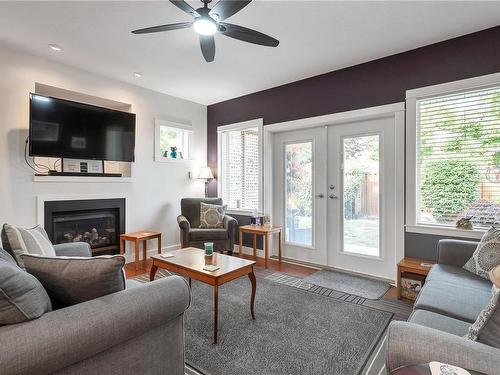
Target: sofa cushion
[487,255]
[212,215]
[199,234]
[73,280]
[459,302]
[22,297]
[440,322]
[486,328]
[457,277]
[18,241]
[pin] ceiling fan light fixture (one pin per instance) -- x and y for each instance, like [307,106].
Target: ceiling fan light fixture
[205,26]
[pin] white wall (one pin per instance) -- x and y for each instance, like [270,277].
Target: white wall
[156,188]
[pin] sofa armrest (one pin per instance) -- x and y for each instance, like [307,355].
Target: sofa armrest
[230,223]
[66,336]
[412,344]
[455,252]
[73,249]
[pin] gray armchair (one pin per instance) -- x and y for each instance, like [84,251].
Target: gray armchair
[193,235]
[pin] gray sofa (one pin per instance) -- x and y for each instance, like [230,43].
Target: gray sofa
[136,331]
[193,235]
[447,305]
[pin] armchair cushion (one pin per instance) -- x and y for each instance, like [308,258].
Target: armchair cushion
[211,215]
[73,280]
[19,241]
[200,234]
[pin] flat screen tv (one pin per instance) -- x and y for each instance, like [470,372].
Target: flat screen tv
[66,129]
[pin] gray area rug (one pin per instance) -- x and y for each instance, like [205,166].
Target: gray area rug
[347,283]
[295,331]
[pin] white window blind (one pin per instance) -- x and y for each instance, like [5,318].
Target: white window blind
[458,158]
[240,174]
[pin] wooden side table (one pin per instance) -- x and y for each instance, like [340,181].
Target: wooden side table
[135,237]
[412,265]
[265,231]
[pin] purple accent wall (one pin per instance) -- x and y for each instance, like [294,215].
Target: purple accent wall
[378,82]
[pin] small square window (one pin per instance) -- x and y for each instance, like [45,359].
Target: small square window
[172,140]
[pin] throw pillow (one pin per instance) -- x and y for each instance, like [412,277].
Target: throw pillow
[212,215]
[486,328]
[19,241]
[73,280]
[22,297]
[487,255]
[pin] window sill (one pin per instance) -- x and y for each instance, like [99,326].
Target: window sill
[445,231]
[161,159]
[239,212]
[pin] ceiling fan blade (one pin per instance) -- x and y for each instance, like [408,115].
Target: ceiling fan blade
[226,8]
[247,35]
[156,29]
[185,7]
[207,44]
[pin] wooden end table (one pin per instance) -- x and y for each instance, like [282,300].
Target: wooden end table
[135,237]
[189,262]
[412,265]
[265,231]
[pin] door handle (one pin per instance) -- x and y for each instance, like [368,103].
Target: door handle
[319,195]
[332,196]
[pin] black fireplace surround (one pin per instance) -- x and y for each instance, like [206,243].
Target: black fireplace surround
[99,222]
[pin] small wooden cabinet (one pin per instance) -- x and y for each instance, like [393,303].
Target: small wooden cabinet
[414,266]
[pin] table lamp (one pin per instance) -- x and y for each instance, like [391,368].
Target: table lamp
[206,174]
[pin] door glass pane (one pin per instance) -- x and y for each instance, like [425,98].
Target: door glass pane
[361,196]
[298,193]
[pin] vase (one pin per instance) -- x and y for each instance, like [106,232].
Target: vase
[173,154]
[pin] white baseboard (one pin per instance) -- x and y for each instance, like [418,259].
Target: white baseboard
[130,256]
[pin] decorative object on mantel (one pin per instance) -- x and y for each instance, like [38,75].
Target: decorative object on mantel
[173,152]
[464,223]
[206,174]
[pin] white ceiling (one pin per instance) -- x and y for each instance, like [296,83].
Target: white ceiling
[315,37]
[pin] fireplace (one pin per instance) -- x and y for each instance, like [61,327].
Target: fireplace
[99,222]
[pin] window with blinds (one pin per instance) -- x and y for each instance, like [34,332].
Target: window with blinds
[240,169]
[458,158]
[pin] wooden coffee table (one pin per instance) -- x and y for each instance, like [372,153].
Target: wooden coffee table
[190,261]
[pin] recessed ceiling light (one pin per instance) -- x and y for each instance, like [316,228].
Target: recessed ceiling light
[55,47]
[137,75]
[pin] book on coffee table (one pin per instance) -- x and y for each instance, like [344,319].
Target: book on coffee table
[211,268]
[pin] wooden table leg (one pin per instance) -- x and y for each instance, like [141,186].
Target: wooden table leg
[255,246]
[398,286]
[189,280]
[241,244]
[144,251]
[251,276]
[280,246]
[136,255]
[266,249]
[122,246]
[216,311]
[152,273]
[159,244]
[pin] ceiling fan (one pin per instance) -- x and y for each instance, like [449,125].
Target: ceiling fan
[207,22]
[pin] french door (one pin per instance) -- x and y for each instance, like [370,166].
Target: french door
[299,172]
[335,195]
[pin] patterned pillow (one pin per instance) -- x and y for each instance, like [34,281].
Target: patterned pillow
[212,215]
[487,255]
[19,241]
[486,328]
